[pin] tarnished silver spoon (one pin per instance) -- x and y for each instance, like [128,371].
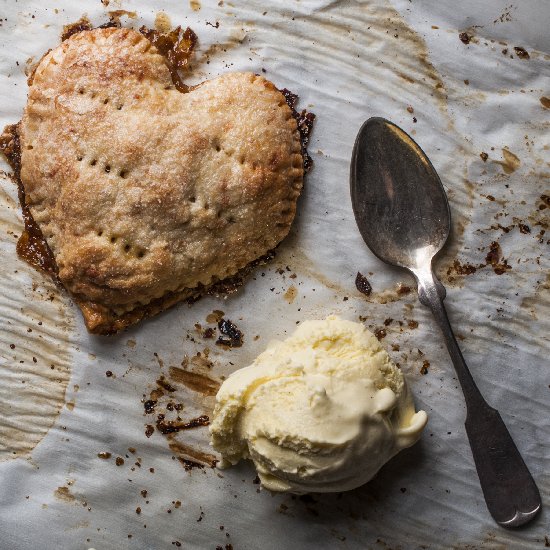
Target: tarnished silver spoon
[403,215]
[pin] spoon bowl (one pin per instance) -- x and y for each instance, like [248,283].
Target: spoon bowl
[414,219]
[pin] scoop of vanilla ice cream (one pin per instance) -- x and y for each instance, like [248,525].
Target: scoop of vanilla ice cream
[321,411]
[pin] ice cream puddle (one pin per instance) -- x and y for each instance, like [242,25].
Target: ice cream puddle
[321,411]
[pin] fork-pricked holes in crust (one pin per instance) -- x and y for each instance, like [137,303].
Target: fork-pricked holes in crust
[126,246]
[105,100]
[107,167]
[216,145]
[135,251]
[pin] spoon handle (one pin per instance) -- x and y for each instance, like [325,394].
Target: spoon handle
[510,492]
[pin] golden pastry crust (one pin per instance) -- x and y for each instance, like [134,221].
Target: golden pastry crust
[145,194]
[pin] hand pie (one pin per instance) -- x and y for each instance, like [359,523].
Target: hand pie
[145,195]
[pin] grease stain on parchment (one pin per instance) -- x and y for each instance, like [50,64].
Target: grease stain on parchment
[382,29]
[510,162]
[195,381]
[234,39]
[290,294]
[116,15]
[295,257]
[34,350]
[189,455]
[291,254]
[162,22]
[64,494]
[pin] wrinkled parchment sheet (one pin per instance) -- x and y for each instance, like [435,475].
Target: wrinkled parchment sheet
[347,60]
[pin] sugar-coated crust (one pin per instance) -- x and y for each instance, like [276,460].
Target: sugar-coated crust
[143,192]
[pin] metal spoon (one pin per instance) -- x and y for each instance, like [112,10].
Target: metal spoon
[403,215]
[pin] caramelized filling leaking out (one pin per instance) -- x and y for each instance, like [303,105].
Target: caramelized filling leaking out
[177,47]
[31,246]
[83,24]
[305,125]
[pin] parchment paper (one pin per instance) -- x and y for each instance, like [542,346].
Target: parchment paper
[347,60]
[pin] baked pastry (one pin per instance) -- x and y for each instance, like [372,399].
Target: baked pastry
[146,195]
